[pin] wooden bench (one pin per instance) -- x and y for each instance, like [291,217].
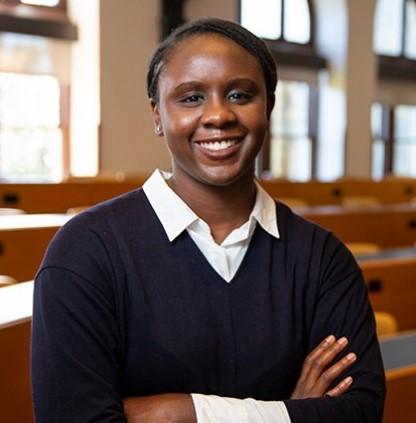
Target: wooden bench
[23,241]
[388,225]
[15,317]
[399,357]
[391,279]
[57,198]
[318,193]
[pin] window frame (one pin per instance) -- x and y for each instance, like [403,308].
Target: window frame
[303,56]
[291,53]
[47,21]
[398,67]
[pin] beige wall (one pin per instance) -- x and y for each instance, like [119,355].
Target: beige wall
[129,34]
[360,88]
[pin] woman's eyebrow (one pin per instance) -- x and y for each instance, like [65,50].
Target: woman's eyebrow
[242,81]
[188,85]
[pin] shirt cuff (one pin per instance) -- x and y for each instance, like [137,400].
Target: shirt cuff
[216,409]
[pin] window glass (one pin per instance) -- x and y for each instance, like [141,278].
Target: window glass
[297,21]
[262,17]
[291,147]
[30,138]
[50,3]
[379,145]
[388,27]
[404,159]
[410,43]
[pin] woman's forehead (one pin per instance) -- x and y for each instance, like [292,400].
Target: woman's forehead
[210,49]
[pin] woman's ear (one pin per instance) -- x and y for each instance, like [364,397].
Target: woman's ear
[157,122]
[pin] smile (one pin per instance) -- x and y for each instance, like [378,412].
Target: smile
[218,145]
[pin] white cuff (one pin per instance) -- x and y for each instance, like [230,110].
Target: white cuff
[216,409]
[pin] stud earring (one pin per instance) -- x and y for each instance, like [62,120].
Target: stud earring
[159,129]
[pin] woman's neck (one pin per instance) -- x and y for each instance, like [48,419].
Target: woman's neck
[223,208]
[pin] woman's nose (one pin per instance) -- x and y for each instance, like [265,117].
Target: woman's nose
[218,113]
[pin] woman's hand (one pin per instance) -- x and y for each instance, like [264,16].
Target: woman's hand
[318,374]
[166,408]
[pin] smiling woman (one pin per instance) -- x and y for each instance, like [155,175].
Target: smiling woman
[212,107]
[199,298]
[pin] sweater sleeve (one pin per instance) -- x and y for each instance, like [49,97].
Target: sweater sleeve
[75,335]
[343,309]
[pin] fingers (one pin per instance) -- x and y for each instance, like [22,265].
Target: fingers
[329,375]
[341,388]
[319,370]
[314,355]
[321,357]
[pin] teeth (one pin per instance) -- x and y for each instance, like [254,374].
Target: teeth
[218,145]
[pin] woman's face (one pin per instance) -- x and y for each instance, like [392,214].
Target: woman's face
[212,110]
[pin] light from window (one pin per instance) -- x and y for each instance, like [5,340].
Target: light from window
[49,3]
[297,21]
[262,17]
[379,145]
[388,27]
[30,138]
[291,147]
[410,43]
[404,162]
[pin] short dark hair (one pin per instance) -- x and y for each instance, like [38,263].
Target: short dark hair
[246,39]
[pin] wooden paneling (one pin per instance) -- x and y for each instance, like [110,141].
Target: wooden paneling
[23,241]
[401,391]
[392,287]
[319,193]
[15,394]
[389,225]
[57,198]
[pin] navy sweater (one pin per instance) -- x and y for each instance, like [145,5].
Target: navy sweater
[120,311]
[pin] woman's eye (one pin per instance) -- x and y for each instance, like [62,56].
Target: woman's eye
[191,99]
[240,97]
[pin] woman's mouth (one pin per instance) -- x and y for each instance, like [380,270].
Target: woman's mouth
[218,145]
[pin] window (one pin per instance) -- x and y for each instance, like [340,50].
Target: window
[394,125]
[48,3]
[395,28]
[288,29]
[278,19]
[395,39]
[394,140]
[30,134]
[404,142]
[382,141]
[291,143]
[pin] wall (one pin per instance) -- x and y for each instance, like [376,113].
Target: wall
[129,34]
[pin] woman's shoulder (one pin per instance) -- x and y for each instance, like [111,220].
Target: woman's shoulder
[311,241]
[96,233]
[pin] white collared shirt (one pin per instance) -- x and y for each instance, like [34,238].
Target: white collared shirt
[176,216]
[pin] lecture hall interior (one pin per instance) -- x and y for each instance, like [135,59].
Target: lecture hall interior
[76,129]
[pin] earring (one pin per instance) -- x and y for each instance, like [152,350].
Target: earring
[159,129]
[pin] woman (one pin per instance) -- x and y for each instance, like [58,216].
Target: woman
[198,298]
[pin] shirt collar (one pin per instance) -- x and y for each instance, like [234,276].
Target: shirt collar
[176,216]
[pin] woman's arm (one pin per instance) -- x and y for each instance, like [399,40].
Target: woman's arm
[317,376]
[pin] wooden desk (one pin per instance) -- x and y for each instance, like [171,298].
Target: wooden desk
[399,357]
[15,317]
[23,241]
[391,279]
[316,193]
[388,225]
[58,198]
